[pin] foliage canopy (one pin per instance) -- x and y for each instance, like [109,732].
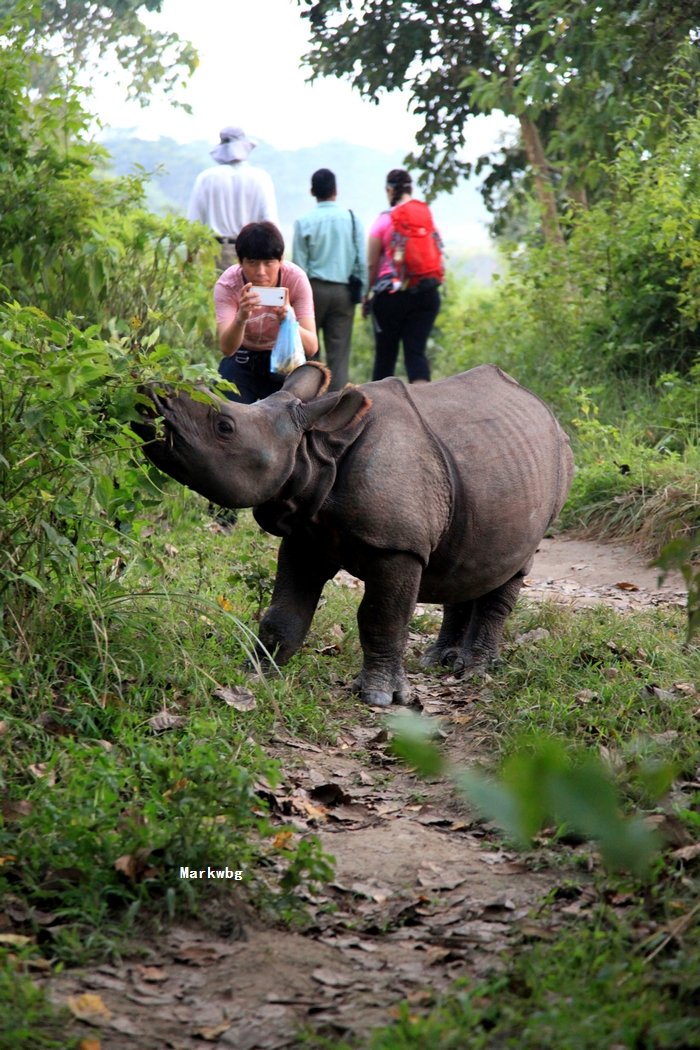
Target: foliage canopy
[84,32]
[573,73]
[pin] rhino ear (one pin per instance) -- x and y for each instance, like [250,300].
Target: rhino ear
[307,381]
[334,411]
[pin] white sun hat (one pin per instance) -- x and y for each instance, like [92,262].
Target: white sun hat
[234,145]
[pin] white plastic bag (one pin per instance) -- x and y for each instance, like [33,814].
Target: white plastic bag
[288,351]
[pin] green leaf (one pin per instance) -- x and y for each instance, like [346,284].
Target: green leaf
[413,743]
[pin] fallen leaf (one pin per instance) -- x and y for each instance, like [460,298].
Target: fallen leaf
[16,809]
[282,839]
[172,551]
[461,720]
[685,687]
[236,696]
[125,1026]
[301,744]
[14,940]
[164,721]
[331,978]
[623,586]
[430,816]
[536,635]
[3,727]
[106,745]
[687,852]
[337,632]
[151,973]
[50,724]
[224,603]
[133,865]
[90,1044]
[329,650]
[365,778]
[41,770]
[213,1032]
[436,879]
[89,1008]
[351,814]
[586,695]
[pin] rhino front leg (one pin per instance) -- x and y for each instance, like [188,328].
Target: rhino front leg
[481,644]
[455,622]
[302,573]
[392,579]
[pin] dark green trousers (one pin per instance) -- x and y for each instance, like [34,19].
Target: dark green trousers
[335,313]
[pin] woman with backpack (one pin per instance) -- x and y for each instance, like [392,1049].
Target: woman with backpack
[404,255]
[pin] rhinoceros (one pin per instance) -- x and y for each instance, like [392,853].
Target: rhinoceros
[438,492]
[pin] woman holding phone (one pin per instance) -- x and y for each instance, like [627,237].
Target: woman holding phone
[247,327]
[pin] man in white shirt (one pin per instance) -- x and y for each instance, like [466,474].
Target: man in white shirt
[232,193]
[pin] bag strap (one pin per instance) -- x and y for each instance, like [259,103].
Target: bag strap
[354,242]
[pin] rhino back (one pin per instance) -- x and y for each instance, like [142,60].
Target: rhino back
[512,466]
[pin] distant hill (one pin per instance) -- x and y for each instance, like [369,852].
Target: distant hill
[360,172]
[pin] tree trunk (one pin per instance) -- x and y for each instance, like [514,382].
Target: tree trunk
[543,185]
[579,195]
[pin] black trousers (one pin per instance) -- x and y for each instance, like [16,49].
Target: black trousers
[250,371]
[406,317]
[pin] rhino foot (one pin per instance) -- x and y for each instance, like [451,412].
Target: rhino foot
[474,666]
[436,656]
[378,692]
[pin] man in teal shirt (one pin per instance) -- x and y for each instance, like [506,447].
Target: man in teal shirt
[329,246]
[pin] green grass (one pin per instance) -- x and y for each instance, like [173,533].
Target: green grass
[86,780]
[101,668]
[27,1020]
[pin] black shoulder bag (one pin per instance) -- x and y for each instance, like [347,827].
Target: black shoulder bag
[354,282]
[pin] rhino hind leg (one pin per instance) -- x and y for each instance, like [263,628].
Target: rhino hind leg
[455,623]
[481,643]
[392,579]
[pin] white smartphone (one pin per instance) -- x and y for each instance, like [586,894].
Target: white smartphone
[270,296]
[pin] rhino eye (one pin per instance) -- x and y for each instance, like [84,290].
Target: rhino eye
[223,426]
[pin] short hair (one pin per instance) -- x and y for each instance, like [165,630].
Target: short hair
[323,184]
[259,240]
[400,182]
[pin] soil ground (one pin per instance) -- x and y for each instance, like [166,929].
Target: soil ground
[423,893]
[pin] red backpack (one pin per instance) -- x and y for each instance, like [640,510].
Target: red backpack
[416,249]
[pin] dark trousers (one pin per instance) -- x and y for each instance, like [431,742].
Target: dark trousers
[406,317]
[335,313]
[250,371]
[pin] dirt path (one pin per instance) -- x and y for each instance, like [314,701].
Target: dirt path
[422,894]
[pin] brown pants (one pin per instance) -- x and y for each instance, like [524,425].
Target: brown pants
[335,313]
[227,257]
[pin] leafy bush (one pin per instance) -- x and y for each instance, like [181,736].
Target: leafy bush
[75,492]
[102,832]
[72,243]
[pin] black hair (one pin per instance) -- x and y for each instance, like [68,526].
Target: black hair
[400,182]
[259,240]
[323,184]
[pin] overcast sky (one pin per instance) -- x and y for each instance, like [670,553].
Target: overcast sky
[249,75]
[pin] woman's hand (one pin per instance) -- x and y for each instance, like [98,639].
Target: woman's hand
[246,304]
[366,306]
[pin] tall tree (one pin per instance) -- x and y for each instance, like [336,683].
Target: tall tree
[571,71]
[82,31]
